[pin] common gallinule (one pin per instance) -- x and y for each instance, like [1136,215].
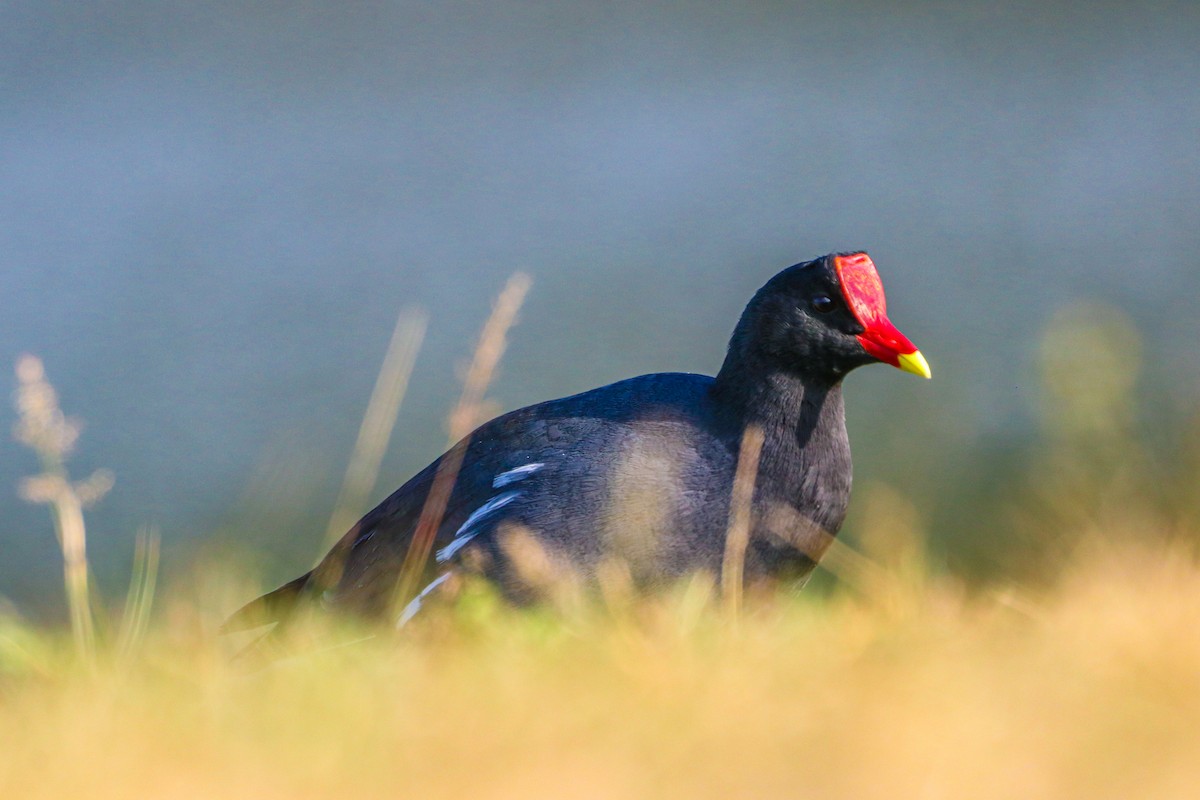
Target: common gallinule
[641,470]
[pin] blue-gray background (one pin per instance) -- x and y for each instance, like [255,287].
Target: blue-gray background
[211,214]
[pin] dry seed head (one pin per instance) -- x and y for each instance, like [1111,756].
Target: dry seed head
[44,489]
[91,490]
[41,425]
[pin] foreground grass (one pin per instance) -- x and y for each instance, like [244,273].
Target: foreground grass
[1090,690]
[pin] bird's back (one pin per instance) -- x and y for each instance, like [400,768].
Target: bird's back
[637,471]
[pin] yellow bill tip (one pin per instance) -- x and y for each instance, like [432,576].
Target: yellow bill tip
[915,363]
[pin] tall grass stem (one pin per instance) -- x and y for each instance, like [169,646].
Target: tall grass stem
[737,537]
[464,419]
[135,618]
[42,427]
[362,472]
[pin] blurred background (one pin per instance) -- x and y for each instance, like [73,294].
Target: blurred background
[213,213]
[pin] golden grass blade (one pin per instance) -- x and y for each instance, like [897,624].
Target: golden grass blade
[737,538]
[853,568]
[135,618]
[72,536]
[362,472]
[463,420]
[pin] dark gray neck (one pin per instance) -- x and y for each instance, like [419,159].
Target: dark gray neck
[806,451]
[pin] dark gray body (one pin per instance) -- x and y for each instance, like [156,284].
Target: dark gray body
[638,472]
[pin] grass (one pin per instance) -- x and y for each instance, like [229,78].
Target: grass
[922,690]
[894,680]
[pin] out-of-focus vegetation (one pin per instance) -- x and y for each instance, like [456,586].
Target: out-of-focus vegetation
[1070,670]
[901,684]
[1102,467]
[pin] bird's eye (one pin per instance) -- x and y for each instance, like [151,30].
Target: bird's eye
[823,304]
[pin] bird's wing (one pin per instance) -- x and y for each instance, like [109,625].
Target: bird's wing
[559,447]
[360,572]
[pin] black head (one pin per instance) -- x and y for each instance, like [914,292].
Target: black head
[819,320]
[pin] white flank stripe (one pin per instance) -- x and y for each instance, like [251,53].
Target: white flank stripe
[447,552]
[516,474]
[414,605]
[465,534]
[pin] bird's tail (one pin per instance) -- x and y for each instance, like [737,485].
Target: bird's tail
[272,607]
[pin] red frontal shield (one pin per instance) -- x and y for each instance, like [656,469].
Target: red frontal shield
[863,292]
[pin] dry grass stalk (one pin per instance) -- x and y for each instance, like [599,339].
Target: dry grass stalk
[1095,697]
[463,420]
[547,578]
[376,430]
[854,569]
[889,566]
[135,619]
[42,426]
[737,538]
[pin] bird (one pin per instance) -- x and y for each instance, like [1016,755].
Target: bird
[638,472]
